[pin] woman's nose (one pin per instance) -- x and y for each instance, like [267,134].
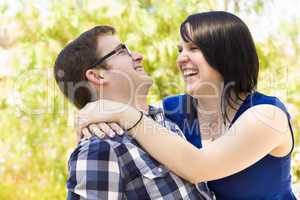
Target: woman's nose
[182,58]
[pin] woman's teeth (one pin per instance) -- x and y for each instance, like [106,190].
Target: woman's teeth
[190,72]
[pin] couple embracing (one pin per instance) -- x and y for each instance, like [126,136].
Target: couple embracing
[221,140]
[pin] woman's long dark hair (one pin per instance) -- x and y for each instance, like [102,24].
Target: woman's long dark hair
[227,45]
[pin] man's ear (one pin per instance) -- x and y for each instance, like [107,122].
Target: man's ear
[95,77]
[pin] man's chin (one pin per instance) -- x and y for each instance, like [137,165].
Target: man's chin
[144,84]
[146,79]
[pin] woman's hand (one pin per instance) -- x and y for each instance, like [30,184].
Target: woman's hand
[101,130]
[105,117]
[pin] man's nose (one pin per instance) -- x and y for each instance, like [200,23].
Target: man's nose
[137,57]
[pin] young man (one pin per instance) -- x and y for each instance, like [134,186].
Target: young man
[97,65]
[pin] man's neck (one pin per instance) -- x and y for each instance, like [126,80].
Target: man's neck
[138,101]
[141,104]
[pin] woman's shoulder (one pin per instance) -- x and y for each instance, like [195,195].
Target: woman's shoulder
[174,103]
[258,98]
[174,99]
[258,108]
[175,107]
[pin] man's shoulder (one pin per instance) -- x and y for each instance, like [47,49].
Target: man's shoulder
[95,148]
[92,168]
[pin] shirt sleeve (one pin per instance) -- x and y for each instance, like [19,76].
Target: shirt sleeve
[94,172]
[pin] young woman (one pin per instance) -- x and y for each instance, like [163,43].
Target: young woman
[239,140]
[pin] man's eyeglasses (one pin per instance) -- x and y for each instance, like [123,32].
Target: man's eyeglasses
[120,47]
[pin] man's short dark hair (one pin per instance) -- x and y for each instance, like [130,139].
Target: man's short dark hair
[74,60]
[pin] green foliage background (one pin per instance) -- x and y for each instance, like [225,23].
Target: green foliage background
[36,122]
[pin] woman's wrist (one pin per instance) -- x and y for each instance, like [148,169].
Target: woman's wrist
[129,118]
[137,122]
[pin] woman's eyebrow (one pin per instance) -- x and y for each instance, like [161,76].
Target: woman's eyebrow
[190,44]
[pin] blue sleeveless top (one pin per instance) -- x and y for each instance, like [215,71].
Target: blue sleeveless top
[267,179]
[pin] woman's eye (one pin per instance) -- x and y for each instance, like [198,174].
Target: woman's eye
[179,50]
[193,48]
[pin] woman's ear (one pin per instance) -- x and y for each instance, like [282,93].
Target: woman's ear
[95,77]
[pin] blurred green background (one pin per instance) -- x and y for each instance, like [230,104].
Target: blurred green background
[36,122]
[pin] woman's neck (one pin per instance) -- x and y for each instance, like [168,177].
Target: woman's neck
[208,106]
[212,122]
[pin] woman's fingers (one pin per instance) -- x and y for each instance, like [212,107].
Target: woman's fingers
[85,133]
[94,129]
[116,128]
[106,129]
[102,129]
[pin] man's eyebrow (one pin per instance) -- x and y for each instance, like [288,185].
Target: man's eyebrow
[119,46]
[116,47]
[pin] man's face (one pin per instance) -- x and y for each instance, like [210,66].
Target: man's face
[123,71]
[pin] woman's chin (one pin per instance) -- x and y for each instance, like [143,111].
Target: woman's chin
[190,89]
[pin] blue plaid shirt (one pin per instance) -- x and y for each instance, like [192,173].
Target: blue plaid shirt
[118,168]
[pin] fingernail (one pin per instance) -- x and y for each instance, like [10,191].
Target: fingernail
[111,134]
[100,135]
[119,133]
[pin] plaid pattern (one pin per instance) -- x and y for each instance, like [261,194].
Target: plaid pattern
[119,168]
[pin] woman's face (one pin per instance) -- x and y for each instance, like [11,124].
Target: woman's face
[200,78]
